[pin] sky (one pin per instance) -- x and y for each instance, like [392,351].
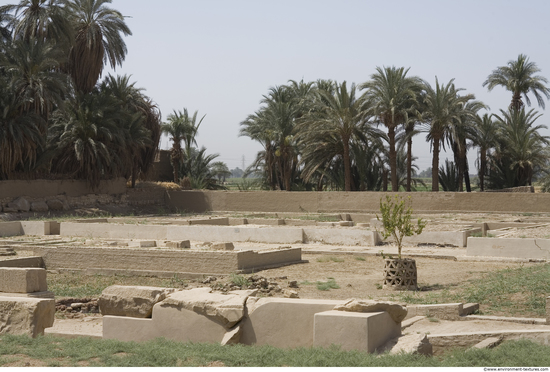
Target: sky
[220,56]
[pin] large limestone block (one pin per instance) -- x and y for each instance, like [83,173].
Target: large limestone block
[396,311]
[22,280]
[132,301]
[282,322]
[353,330]
[415,343]
[226,309]
[26,316]
[172,323]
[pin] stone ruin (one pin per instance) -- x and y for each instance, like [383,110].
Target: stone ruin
[26,305]
[202,315]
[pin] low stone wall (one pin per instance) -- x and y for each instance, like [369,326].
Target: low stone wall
[48,188]
[526,248]
[164,263]
[353,202]
[205,233]
[23,262]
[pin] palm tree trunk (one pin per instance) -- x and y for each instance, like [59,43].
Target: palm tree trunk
[347,166]
[467,174]
[435,164]
[483,168]
[516,101]
[409,164]
[393,159]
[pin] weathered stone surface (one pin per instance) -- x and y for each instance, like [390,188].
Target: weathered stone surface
[55,205]
[289,293]
[410,344]
[132,301]
[26,316]
[488,343]
[396,311]
[233,336]
[22,280]
[181,244]
[223,246]
[39,206]
[227,309]
[354,330]
[21,204]
[10,209]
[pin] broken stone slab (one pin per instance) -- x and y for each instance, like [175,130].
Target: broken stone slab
[223,246]
[232,336]
[131,301]
[39,206]
[488,343]
[396,311]
[409,344]
[20,204]
[26,316]
[226,309]
[22,280]
[180,244]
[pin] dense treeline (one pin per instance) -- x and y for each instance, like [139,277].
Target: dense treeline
[326,135]
[56,118]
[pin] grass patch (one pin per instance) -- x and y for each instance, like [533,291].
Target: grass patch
[55,351]
[78,285]
[330,259]
[328,285]
[359,258]
[520,291]
[239,280]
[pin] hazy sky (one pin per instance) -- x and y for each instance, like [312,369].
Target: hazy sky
[220,57]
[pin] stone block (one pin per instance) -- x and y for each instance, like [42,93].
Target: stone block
[39,206]
[410,344]
[181,244]
[26,316]
[354,331]
[22,280]
[223,246]
[440,311]
[142,243]
[55,205]
[21,204]
[396,311]
[136,301]
[488,343]
[282,322]
[226,310]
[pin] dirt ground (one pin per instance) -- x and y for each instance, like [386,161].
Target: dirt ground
[361,276]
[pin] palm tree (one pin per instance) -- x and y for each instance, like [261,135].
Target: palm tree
[134,102]
[483,135]
[98,40]
[519,78]
[21,133]
[44,20]
[392,98]
[443,111]
[220,170]
[337,120]
[257,127]
[458,137]
[522,143]
[32,67]
[181,127]
[86,136]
